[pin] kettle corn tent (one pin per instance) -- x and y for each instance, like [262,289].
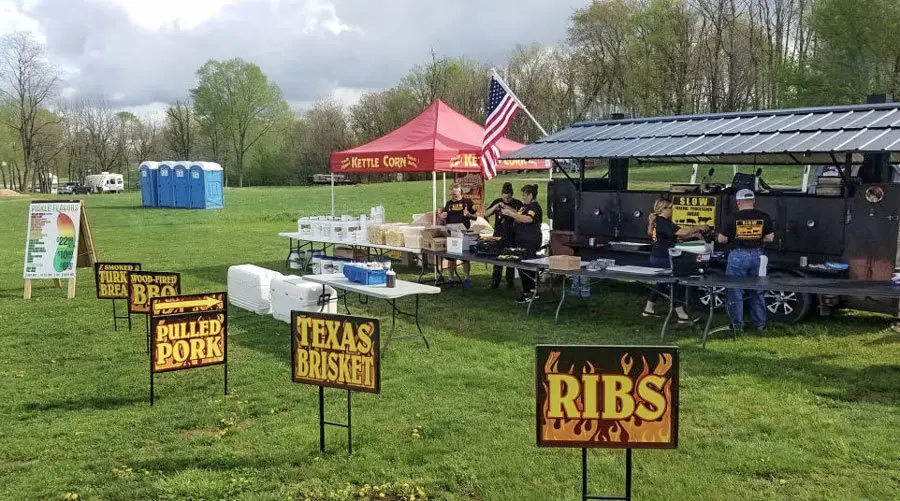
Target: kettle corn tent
[439,139]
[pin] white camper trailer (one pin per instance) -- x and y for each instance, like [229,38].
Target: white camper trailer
[105,182]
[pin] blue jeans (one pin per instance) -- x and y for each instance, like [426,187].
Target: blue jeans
[745,263]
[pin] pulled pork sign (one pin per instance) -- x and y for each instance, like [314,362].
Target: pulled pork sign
[188,331]
[338,351]
[607,396]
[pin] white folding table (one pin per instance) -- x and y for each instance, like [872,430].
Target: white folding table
[389,294]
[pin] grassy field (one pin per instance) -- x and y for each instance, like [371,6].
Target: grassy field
[807,412]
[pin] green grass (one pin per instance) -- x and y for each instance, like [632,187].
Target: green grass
[807,412]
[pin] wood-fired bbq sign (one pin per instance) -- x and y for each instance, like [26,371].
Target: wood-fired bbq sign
[607,396]
[146,285]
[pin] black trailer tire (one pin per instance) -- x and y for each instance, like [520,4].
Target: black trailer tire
[787,307]
[702,295]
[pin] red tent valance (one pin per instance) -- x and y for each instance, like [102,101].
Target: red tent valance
[439,139]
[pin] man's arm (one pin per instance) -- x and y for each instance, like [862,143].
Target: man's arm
[769,238]
[722,239]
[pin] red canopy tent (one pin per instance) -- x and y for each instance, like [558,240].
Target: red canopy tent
[439,139]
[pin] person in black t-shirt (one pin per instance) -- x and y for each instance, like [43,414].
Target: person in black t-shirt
[664,234]
[505,228]
[747,232]
[528,219]
[459,210]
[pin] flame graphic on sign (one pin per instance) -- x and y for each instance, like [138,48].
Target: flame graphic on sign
[630,431]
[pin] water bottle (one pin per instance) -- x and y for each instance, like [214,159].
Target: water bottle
[763,264]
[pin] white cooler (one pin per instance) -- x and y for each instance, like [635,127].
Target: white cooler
[294,293]
[248,287]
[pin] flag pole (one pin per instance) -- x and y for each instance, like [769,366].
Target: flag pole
[516,99]
[521,105]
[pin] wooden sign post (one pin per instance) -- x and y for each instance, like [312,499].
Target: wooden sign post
[58,240]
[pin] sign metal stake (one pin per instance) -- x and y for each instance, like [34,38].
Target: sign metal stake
[584,479]
[322,422]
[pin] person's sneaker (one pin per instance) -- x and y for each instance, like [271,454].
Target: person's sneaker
[467,283]
[761,329]
[525,298]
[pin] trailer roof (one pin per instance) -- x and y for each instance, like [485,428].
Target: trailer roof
[791,136]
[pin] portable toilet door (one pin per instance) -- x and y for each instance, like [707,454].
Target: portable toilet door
[149,190]
[206,185]
[182,193]
[213,181]
[196,189]
[166,185]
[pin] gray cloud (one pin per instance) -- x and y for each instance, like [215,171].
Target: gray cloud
[116,58]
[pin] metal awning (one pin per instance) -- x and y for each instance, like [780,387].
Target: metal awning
[795,136]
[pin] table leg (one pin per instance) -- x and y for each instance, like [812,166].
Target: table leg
[419,327]
[562,298]
[393,303]
[712,307]
[533,294]
[287,260]
[665,326]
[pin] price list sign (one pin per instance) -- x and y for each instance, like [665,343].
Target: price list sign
[52,241]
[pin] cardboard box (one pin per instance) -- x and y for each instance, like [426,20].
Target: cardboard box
[454,245]
[434,232]
[565,262]
[435,244]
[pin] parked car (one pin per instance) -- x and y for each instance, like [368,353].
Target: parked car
[73,188]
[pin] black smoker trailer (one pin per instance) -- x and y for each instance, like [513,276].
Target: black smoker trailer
[849,213]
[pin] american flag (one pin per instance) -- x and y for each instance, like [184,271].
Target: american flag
[500,112]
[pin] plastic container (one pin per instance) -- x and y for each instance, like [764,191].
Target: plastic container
[364,276]
[293,293]
[249,287]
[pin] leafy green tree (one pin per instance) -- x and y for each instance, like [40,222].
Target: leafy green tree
[237,106]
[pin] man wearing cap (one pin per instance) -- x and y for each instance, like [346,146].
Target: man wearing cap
[747,232]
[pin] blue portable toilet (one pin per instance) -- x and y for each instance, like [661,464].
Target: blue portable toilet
[182,193]
[166,185]
[206,180]
[149,192]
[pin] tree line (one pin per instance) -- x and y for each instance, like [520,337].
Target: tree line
[638,57]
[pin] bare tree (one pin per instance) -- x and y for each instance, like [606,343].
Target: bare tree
[180,129]
[27,83]
[103,133]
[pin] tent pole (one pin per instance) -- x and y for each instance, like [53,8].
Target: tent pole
[332,194]
[444,187]
[550,178]
[434,194]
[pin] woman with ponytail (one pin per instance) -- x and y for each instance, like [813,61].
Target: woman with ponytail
[664,234]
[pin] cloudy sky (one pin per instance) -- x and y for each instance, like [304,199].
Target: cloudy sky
[140,54]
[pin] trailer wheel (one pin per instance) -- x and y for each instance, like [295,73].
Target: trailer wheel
[787,307]
[703,295]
